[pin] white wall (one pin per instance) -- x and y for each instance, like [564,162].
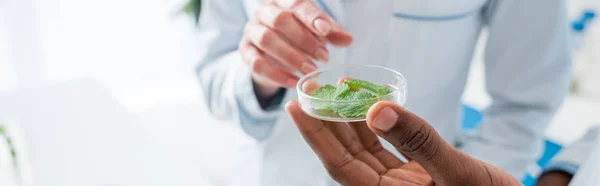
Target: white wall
[7,76]
[141,48]
[143,52]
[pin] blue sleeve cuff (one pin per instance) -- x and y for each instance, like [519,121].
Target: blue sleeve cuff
[275,102]
[562,166]
[277,99]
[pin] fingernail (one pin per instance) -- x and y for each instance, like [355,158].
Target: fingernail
[386,119]
[291,83]
[322,55]
[322,26]
[337,27]
[308,67]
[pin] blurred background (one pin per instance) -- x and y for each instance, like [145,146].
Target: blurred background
[105,93]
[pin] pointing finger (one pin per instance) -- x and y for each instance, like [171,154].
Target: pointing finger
[317,21]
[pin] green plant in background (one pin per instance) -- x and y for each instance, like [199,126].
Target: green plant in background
[8,140]
[193,7]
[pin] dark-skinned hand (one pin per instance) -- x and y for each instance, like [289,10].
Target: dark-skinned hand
[353,155]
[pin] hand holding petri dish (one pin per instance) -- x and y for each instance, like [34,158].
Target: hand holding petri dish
[345,93]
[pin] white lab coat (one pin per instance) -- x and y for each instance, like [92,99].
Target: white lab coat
[588,173]
[431,42]
[581,159]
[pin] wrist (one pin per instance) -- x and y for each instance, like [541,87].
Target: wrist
[554,178]
[265,93]
[264,90]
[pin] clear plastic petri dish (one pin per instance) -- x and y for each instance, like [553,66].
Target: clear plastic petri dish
[336,109]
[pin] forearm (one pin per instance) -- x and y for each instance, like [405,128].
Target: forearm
[227,83]
[230,94]
[554,178]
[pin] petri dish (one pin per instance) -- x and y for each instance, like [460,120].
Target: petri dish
[348,110]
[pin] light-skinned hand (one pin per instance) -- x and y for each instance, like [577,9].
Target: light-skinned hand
[284,37]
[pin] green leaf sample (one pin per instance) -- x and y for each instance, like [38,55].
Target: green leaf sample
[378,89]
[351,99]
[326,92]
[359,103]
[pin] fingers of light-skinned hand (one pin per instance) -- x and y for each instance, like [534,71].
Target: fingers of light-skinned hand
[309,14]
[342,79]
[264,69]
[309,86]
[339,38]
[317,21]
[371,143]
[340,164]
[272,44]
[284,23]
[414,137]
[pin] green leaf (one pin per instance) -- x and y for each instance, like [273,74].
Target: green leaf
[193,8]
[359,103]
[379,89]
[341,92]
[360,94]
[352,84]
[325,92]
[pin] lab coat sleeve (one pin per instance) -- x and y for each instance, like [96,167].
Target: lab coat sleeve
[527,67]
[571,157]
[224,77]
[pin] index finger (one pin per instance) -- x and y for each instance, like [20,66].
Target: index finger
[317,21]
[308,13]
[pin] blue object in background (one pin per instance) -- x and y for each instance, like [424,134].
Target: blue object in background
[472,118]
[579,24]
[589,14]
[550,150]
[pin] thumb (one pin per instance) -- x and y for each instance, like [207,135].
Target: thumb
[415,138]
